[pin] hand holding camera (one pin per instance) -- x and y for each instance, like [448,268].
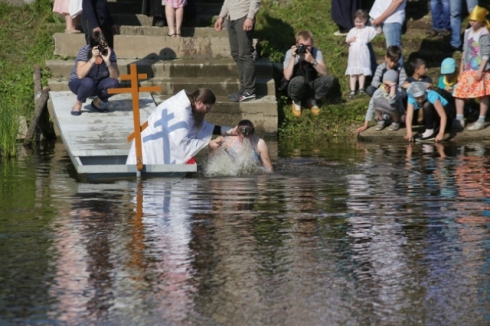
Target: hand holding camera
[102,50]
[300,49]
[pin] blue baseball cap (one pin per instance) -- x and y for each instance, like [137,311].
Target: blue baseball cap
[448,66]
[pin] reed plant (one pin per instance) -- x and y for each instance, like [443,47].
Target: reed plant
[26,38]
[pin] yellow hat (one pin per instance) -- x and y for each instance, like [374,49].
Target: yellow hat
[479,14]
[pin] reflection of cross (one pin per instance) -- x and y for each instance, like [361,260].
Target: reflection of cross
[166,129]
[133,77]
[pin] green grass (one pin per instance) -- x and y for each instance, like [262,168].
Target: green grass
[275,29]
[26,38]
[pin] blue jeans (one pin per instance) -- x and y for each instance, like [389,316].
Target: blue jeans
[441,15]
[393,36]
[456,11]
[86,87]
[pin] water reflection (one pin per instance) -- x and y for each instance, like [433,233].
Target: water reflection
[346,234]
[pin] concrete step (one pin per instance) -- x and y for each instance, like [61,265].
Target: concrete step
[137,19]
[139,46]
[131,6]
[221,87]
[163,31]
[172,85]
[219,68]
[262,112]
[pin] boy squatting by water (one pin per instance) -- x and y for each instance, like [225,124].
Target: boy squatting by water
[386,100]
[244,150]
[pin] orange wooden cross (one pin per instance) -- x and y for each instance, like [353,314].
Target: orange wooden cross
[133,77]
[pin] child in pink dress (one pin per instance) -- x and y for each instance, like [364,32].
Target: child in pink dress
[174,12]
[62,7]
[474,72]
[359,61]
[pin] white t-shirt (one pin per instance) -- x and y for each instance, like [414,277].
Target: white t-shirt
[380,7]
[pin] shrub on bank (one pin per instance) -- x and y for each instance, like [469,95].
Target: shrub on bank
[26,38]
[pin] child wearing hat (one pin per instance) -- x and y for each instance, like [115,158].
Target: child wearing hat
[386,104]
[474,72]
[449,75]
[437,112]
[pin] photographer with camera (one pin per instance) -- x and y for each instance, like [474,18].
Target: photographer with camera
[305,74]
[94,72]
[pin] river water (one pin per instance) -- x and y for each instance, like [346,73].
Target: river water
[340,234]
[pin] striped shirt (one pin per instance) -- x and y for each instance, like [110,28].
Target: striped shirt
[237,9]
[98,71]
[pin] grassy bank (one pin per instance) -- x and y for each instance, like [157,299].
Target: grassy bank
[276,28]
[26,38]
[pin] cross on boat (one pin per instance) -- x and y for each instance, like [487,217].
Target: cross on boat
[135,89]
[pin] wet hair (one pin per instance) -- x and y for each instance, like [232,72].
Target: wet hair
[96,38]
[394,53]
[361,14]
[417,63]
[246,128]
[204,95]
[304,35]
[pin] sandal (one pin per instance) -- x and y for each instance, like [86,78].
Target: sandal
[171,35]
[76,113]
[352,94]
[101,110]
[72,31]
[362,91]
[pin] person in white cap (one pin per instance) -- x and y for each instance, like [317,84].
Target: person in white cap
[386,103]
[437,112]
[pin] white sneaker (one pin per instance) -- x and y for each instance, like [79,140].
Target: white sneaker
[476,126]
[339,33]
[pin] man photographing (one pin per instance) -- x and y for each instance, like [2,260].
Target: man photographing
[306,74]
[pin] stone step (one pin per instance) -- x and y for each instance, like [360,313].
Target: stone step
[219,68]
[221,87]
[172,85]
[132,7]
[139,46]
[163,31]
[136,19]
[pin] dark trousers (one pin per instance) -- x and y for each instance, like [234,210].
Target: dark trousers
[104,27]
[86,87]
[299,89]
[241,46]
[432,118]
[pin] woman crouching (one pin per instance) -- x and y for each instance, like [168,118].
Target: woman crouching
[438,110]
[95,71]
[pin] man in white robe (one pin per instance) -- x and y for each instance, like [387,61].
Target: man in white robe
[177,130]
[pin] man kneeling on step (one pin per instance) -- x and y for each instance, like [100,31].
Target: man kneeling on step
[305,74]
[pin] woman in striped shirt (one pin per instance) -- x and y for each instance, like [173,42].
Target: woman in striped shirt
[94,72]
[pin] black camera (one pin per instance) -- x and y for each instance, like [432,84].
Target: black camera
[300,49]
[102,49]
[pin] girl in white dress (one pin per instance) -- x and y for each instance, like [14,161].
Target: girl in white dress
[359,62]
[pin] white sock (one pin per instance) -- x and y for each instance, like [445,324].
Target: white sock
[481,118]
[427,133]
[460,117]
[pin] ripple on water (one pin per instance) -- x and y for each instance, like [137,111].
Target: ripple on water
[343,235]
